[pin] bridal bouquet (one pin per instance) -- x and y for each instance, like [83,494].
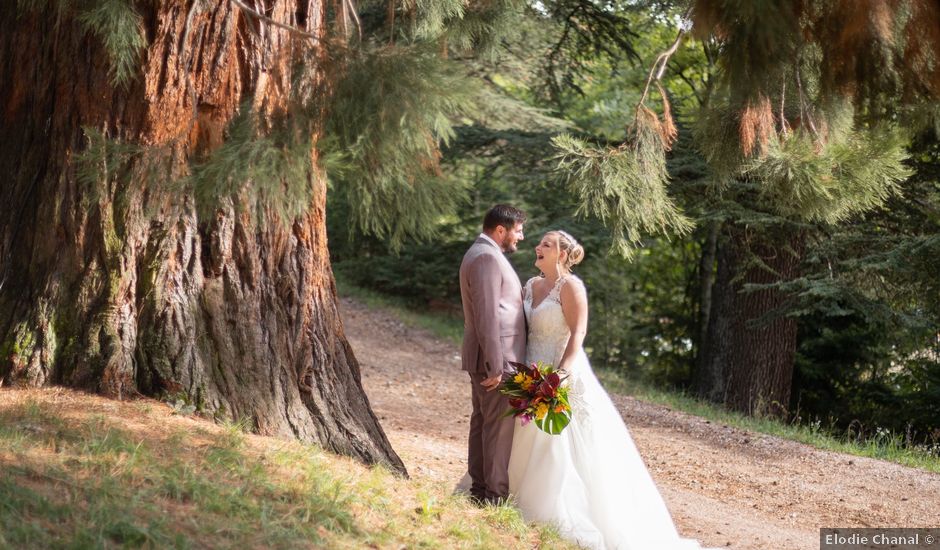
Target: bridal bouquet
[535,393]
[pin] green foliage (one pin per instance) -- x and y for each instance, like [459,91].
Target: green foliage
[118,25]
[478,27]
[389,112]
[801,174]
[827,170]
[847,177]
[643,320]
[270,167]
[625,188]
[579,35]
[432,17]
[103,162]
[882,58]
[759,39]
[868,314]
[416,274]
[501,112]
[857,370]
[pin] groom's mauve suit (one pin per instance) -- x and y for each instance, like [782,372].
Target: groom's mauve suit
[494,333]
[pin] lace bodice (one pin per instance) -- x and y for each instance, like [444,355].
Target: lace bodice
[548,331]
[548,338]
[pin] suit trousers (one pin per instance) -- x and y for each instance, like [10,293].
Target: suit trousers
[490,441]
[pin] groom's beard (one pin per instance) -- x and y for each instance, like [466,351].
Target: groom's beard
[508,246]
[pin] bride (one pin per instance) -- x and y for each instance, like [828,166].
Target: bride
[590,480]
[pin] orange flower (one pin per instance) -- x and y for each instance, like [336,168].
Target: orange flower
[560,408]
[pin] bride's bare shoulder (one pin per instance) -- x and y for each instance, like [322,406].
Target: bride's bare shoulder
[573,281]
[572,288]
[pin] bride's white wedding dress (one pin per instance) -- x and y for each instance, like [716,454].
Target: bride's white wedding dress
[590,480]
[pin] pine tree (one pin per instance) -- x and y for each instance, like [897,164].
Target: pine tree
[800,134]
[795,145]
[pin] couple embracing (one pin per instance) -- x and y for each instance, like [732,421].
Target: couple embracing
[589,480]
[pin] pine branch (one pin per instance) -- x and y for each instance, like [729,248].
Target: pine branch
[269,171]
[661,61]
[390,110]
[119,27]
[625,187]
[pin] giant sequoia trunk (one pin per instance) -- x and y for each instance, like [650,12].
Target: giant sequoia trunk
[119,287]
[747,359]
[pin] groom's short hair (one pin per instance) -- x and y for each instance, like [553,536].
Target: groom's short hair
[504,215]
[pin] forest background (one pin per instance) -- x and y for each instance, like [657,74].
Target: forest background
[844,306]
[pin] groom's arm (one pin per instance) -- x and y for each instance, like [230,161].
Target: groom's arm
[485,287]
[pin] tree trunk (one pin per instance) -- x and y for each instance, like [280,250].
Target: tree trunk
[705,378]
[117,286]
[750,351]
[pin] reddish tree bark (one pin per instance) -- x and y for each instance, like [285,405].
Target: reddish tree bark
[120,287]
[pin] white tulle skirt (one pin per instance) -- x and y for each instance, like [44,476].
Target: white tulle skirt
[590,481]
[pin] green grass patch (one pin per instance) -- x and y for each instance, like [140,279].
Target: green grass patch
[86,480]
[884,446]
[94,484]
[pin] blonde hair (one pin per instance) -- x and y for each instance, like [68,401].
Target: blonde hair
[567,243]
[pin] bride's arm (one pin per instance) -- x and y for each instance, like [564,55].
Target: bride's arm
[575,308]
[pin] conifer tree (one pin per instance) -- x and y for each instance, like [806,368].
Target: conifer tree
[800,135]
[162,228]
[803,126]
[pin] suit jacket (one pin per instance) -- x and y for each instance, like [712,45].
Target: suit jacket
[494,330]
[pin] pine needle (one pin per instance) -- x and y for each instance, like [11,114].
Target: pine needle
[625,188]
[119,27]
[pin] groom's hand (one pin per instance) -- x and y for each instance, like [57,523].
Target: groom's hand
[492,383]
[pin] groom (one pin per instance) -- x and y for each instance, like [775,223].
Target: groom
[494,333]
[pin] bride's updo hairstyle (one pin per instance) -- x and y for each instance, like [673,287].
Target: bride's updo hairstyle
[567,243]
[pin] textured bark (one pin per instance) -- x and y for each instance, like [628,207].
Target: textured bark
[748,361]
[119,287]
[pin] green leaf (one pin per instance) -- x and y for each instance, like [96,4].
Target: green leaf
[554,423]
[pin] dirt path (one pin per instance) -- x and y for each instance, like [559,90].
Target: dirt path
[723,486]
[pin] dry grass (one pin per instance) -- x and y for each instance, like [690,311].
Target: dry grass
[77,470]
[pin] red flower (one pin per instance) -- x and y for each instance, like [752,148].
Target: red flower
[547,390]
[517,403]
[534,372]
